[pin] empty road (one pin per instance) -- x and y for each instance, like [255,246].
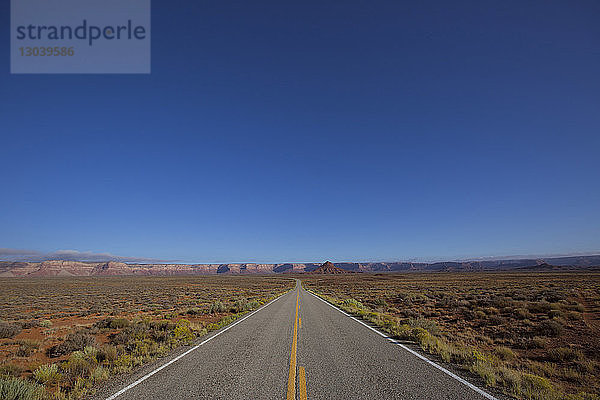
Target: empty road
[297,347]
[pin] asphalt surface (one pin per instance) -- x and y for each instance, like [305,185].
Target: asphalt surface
[335,358]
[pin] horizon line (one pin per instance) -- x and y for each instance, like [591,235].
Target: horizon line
[147,261]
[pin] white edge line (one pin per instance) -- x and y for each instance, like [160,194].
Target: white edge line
[179,357]
[428,361]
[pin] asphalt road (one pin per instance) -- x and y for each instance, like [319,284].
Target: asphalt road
[297,347]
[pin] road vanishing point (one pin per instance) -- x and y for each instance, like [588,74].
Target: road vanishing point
[297,347]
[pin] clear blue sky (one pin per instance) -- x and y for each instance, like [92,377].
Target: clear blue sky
[272,131]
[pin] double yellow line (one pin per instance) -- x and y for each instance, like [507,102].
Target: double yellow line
[291,388]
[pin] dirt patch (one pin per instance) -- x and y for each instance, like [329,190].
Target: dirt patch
[591,315]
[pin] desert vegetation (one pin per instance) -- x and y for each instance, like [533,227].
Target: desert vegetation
[61,337]
[530,335]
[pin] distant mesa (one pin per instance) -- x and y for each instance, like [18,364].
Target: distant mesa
[81,268]
[545,267]
[223,268]
[328,268]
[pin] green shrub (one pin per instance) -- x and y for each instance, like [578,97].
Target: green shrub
[371,316]
[74,341]
[99,374]
[504,353]
[418,333]
[435,345]
[20,389]
[217,307]
[461,354]
[380,302]
[193,311]
[182,331]
[564,354]
[510,379]
[107,353]
[77,366]
[429,325]
[47,374]
[198,329]
[162,325]
[243,304]
[145,348]
[549,328]
[485,368]
[239,306]
[387,322]
[252,305]
[352,303]
[119,323]
[80,388]
[535,387]
[160,335]
[122,338]
[123,364]
[112,323]
[402,332]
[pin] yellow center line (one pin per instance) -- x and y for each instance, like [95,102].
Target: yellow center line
[291,389]
[302,384]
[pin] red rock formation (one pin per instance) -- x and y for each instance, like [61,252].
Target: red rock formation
[329,268]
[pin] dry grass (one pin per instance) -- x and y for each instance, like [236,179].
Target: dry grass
[66,335]
[533,335]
